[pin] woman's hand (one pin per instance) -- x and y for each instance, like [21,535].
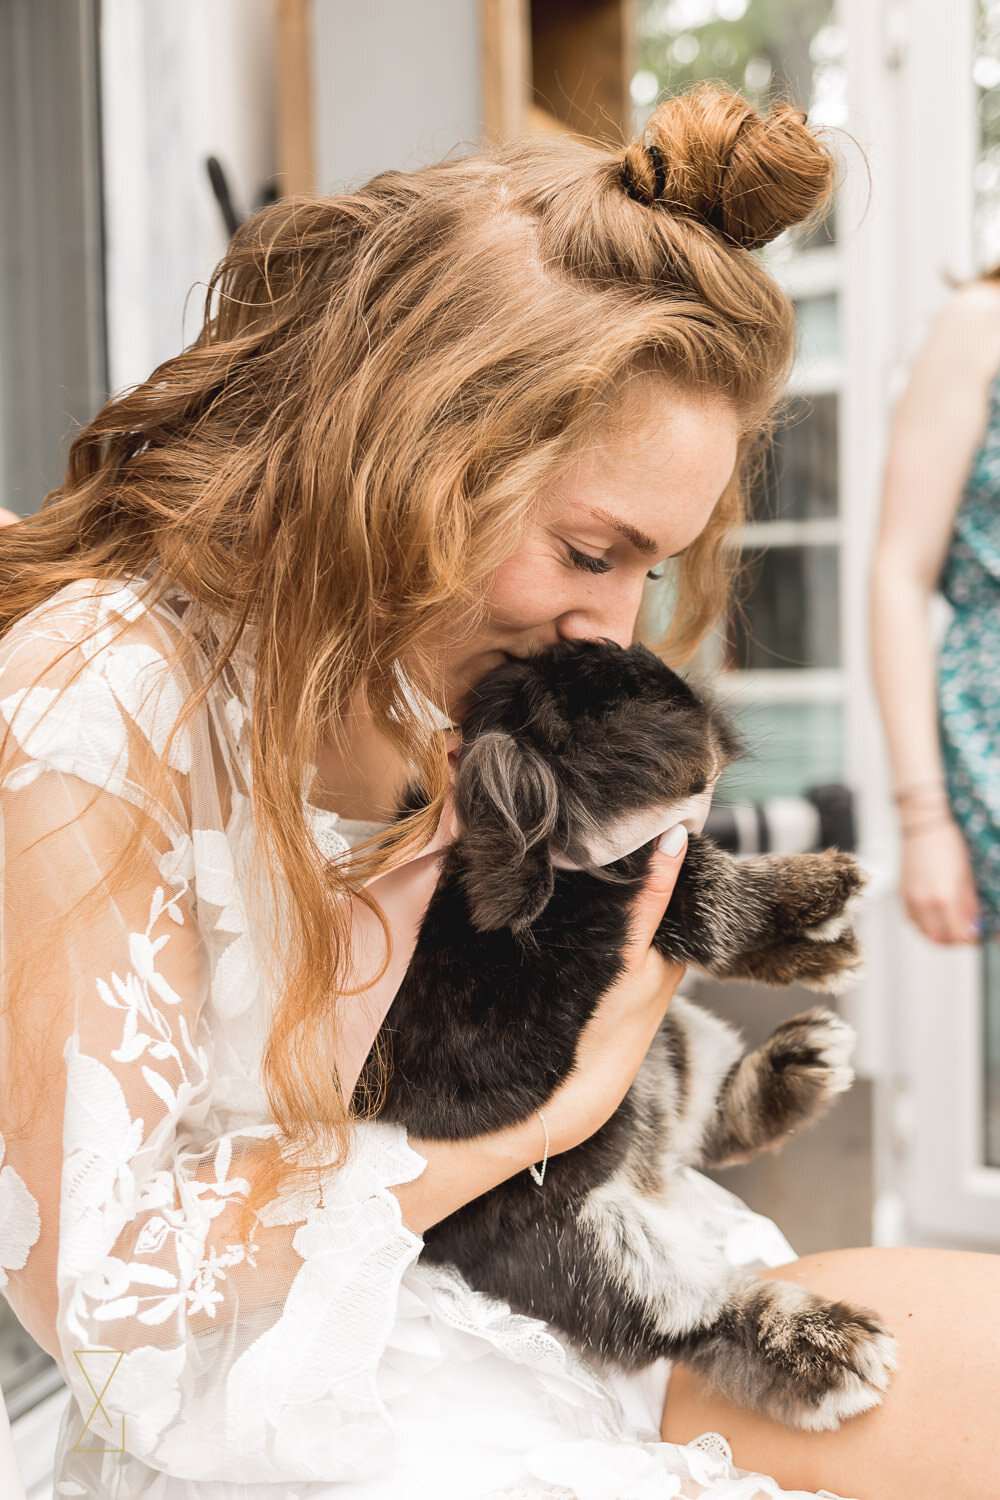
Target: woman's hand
[936,883]
[612,1047]
[617,1038]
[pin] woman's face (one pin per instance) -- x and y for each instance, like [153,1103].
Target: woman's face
[638,496]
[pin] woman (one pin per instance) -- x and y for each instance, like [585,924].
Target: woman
[941,529]
[442,421]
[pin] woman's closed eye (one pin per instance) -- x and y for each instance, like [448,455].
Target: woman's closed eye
[588,564]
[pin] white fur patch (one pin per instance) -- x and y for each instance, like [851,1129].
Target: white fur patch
[835,984]
[828,932]
[713,1047]
[876,1360]
[836,1041]
[658,1255]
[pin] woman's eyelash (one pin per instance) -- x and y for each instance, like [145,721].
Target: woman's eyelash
[588,564]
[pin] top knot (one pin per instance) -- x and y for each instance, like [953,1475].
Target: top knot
[709,154]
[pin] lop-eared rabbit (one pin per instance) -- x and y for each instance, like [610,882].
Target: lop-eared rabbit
[523,936]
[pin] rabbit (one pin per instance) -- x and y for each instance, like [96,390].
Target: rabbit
[524,934]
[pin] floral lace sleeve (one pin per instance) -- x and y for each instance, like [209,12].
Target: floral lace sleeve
[131,1033]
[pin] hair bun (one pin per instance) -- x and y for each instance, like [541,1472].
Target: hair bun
[709,154]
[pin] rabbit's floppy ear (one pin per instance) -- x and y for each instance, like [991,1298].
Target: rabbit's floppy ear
[507,801]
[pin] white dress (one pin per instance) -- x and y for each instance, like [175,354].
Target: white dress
[327,1361]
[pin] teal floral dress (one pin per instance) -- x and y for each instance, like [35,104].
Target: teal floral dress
[969,668]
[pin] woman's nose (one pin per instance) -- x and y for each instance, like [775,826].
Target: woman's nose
[610,620]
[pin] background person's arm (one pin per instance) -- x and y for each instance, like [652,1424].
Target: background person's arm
[936,431]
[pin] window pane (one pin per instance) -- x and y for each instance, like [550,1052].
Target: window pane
[790,747]
[818,321]
[27,1374]
[790,614]
[799,477]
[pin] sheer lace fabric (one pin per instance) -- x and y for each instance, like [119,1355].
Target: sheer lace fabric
[323,1360]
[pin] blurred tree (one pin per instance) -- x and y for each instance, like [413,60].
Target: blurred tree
[986,75]
[760,47]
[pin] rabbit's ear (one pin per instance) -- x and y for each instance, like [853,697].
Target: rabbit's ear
[507,801]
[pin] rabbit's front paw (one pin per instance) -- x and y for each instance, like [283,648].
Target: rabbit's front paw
[829,1360]
[804,1064]
[809,1363]
[812,892]
[781,1086]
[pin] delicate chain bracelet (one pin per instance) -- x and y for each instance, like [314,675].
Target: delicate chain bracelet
[538,1173]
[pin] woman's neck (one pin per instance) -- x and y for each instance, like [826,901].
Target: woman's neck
[360,775]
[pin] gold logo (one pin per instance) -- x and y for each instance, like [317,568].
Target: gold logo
[101,1354]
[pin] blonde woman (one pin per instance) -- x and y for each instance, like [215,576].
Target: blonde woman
[447,419]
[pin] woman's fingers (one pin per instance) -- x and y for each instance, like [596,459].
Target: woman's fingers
[654,897]
[938,889]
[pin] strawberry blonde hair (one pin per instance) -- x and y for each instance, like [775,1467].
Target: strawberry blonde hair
[383,384]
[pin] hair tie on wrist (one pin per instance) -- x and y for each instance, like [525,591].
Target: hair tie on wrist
[918,789]
[939,820]
[538,1173]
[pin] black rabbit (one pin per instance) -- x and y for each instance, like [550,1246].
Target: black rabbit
[513,956]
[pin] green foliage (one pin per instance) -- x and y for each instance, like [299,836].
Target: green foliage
[769,49]
[986,73]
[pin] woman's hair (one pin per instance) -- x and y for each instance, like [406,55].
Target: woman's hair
[383,384]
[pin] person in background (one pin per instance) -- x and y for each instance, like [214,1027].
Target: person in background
[940,531]
[448,419]
[7,517]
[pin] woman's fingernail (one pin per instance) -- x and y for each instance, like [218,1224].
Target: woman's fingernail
[673,841]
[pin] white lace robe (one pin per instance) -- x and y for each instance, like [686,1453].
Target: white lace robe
[324,1360]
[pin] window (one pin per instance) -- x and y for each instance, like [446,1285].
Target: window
[780,653]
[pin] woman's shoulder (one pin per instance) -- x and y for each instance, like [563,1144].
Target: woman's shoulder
[89,616]
[968,326]
[92,673]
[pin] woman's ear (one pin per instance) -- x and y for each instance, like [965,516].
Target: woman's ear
[507,800]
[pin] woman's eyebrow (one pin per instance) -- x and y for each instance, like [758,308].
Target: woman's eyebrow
[640,541]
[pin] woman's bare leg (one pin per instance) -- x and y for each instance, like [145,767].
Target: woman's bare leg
[937,1432]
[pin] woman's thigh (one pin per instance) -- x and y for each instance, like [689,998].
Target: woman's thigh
[937,1432]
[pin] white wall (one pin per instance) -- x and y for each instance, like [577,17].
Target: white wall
[182,80]
[396,84]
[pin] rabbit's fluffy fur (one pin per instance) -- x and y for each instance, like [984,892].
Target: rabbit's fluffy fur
[512,959]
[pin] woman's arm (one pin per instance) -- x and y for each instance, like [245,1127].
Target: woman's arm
[611,1050]
[118,1083]
[935,433]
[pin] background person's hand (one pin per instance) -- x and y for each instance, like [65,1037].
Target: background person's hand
[617,1038]
[937,886]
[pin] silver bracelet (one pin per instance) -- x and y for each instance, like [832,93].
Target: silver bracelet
[538,1173]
